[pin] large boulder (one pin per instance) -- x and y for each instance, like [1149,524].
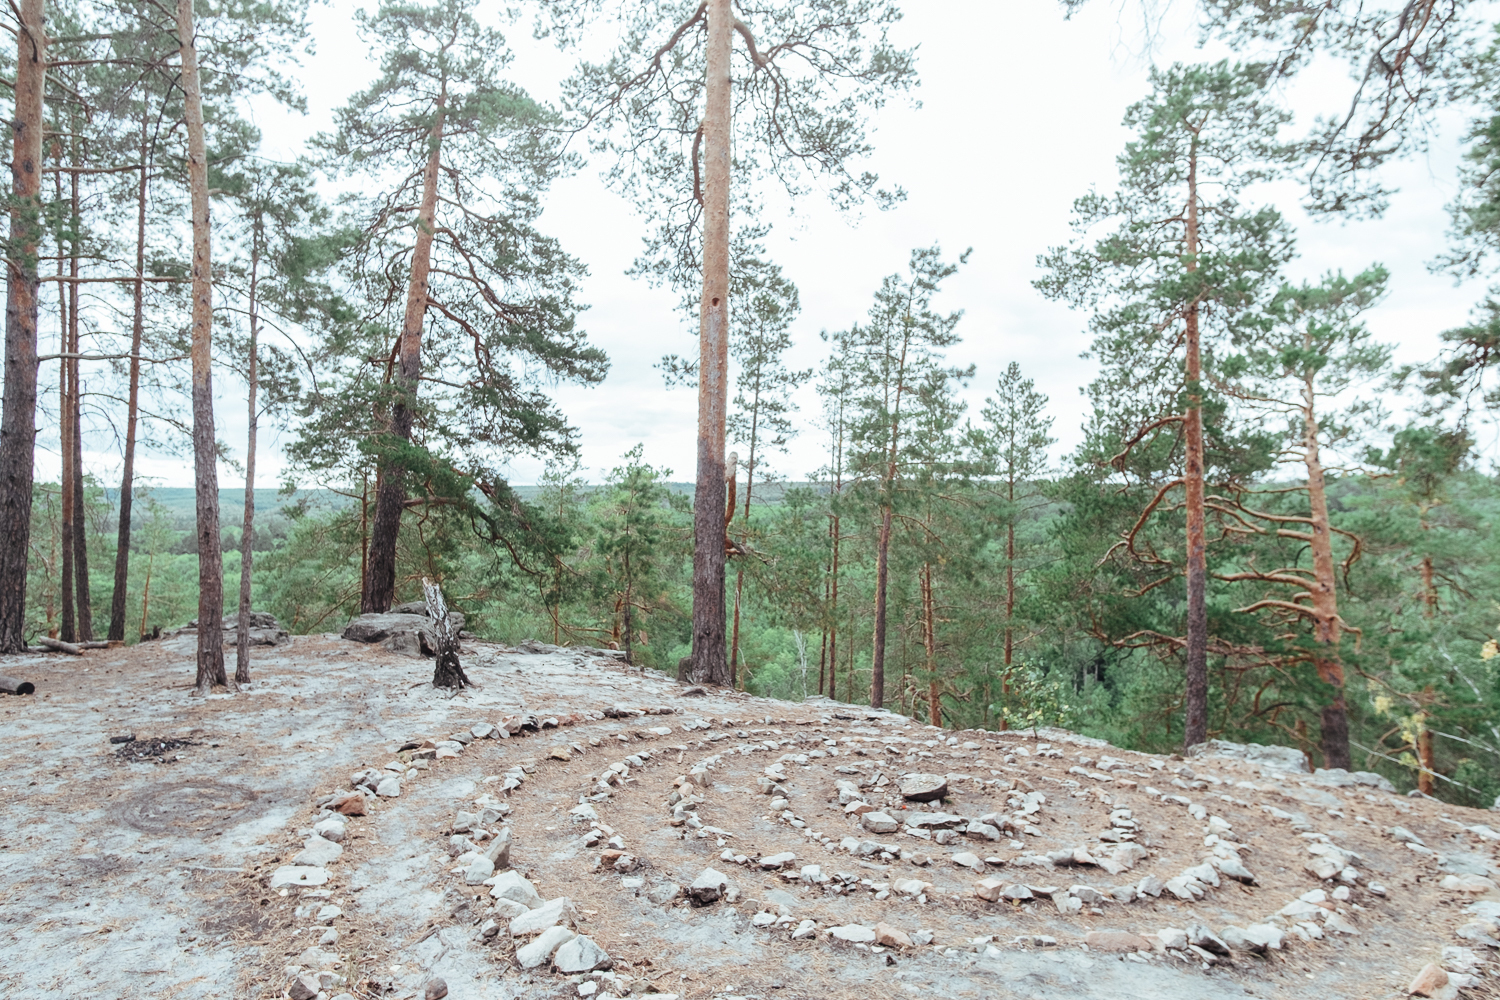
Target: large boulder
[411,634]
[923,787]
[1275,758]
[264,629]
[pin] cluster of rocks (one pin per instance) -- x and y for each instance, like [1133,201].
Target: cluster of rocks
[262,627]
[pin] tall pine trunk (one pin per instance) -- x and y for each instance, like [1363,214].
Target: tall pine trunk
[205,468]
[929,646]
[69,621]
[1335,729]
[1195,727]
[390,491]
[80,539]
[247,530]
[132,406]
[1010,598]
[710,659]
[18,416]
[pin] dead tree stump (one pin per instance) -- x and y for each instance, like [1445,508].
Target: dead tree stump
[448,672]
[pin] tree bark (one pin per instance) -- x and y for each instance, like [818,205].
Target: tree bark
[247,529]
[132,408]
[75,419]
[833,616]
[1195,727]
[1324,592]
[710,660]
[18,417]
[739,576]
[390,491]
[882,577]
[929,645]
[68,625]
[1010,598]
[205,458]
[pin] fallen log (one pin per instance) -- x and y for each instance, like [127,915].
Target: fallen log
[13,685]
[59,645]
[97,644]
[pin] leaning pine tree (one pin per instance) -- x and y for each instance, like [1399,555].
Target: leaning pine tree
[470,309]
[1169,263]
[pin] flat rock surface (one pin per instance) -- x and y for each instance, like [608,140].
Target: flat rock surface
[131,877]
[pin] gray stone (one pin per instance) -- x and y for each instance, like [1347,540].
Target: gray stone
[514,885]
[538,952]
[509,909]
[303,988]
[297,875]
[549,914]
[478,871]
[778,860]
[879,822]
[708,886]
[330,829]
[966,860]
[923,787]
[581,955]
[853,934]
[664,893]
[497,852]
[1201,937]
[318,853]
[1275,758]
[927,819]
[1234,868]
[388,788]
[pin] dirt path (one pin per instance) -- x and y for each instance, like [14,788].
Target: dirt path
[144,869]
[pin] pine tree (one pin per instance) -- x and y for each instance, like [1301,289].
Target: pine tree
[895,354]
[1313,351]
[471,155]
[1183,259]
[1011,449]
[807,75]
[18,421]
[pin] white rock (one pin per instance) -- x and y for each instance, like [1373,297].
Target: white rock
[388,788]
[878,822]
[708,886]
[549,914]
[853,934]
[514,885]
[966,860]
[538,952]
[331,829]
[296,875]
[805,929]
[581,954]
[777,860]
[479,870]
[1173,938]
[318,853]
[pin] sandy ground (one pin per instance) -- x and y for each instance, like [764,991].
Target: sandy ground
[127,878]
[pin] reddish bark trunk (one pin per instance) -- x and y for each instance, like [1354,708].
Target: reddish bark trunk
[379,588]
[710,660]
[1195,727]
[18,416]
[132,407]
[205,457]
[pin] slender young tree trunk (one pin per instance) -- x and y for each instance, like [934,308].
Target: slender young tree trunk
[929,644]
[69,623]
[1010,599]
[247,531]
[1195,728]
[146,594]
[710,662]
[1324,594]
[882,578]
[625,615]
[390,491]
[18,418]
[1429,586]
[75,419]
[137,329]
[739,576]
[205,468]
[833,616]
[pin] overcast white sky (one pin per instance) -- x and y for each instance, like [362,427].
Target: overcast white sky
[1020,115]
